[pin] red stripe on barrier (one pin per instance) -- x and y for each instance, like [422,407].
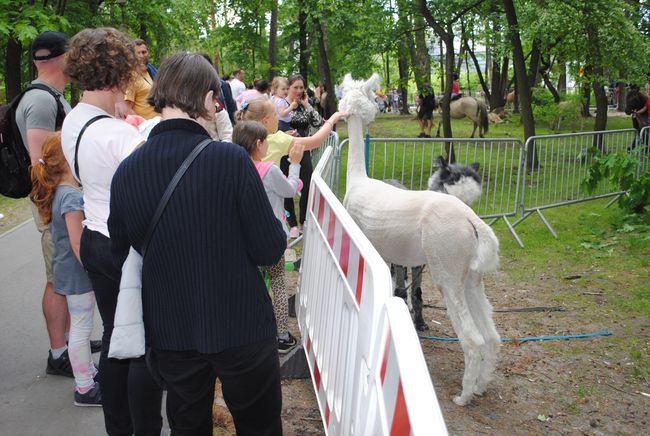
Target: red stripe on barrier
[401,424]
[316,376]
[327,415]
[330,229]
[308,344]
[321,209]
[384,362]
[345,252]
[359,289]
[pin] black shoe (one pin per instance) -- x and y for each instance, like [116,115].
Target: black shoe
[92,398]
[286,345]
[60,366]
[95,346]
[421,135]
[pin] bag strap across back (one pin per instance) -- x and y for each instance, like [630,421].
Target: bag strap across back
[170,190]
[76,147]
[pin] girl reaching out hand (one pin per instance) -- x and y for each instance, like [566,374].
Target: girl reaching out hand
[252,136]
[279,144]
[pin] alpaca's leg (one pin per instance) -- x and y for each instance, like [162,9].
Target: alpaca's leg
[400,282]
[471,339]
[416,298]
[481,311]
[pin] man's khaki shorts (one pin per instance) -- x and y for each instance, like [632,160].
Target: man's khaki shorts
[47,244]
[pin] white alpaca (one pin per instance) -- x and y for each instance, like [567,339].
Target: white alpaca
[413,228]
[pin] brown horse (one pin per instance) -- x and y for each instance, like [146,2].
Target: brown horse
[472,108]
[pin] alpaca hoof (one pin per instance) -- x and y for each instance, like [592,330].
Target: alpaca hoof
[460,401]
[421,326]
[479,391]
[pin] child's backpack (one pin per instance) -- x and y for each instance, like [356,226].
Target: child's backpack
[15,178]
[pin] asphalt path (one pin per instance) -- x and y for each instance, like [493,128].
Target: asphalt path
[31,402]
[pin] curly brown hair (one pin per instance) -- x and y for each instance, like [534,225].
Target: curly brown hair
[100,59]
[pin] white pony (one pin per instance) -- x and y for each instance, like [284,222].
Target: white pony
[413,228]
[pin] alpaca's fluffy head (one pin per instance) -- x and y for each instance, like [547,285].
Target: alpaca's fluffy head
[461,181]
[359,97]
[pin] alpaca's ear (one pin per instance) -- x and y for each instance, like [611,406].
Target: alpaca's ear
[347,79]
[475,166]
[372,84]
[442,163]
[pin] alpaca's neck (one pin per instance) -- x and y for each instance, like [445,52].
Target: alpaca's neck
[356,150]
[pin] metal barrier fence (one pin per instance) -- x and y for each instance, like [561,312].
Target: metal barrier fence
[411,161]
[509,189]
[346,319]
[562,163]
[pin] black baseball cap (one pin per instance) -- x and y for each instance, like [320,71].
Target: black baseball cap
[55,42]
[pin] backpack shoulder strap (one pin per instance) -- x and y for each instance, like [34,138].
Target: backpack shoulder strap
[60,111]
[76,147]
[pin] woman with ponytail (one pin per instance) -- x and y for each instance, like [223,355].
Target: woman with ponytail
[57,195]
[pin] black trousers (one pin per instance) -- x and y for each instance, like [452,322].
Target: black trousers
[250,379]
[306,169]
[131,399]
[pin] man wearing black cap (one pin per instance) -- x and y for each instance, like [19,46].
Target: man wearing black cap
[37,115]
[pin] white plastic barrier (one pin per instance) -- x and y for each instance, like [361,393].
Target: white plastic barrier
[401,380]
[344,287]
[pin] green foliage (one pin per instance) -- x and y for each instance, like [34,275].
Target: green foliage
[552,114]
[623,169]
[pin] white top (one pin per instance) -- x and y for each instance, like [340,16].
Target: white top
[104,144]
[237,87]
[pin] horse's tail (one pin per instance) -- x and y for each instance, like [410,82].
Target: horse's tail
[485,124]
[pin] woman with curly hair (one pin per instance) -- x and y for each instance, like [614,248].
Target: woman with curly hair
[100,63]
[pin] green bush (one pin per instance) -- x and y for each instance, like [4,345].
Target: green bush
[621,168]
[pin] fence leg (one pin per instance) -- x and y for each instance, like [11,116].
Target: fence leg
[546,223]
[614,200]
[524,216]
[296,241]
[513,232]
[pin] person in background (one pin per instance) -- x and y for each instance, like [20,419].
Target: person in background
[455,87]
[207,312]
[427,100]
[131,399]
[59,200]
[298,95]
[251,135]
[135,98]
[279,94]
[237,83]
[260,88]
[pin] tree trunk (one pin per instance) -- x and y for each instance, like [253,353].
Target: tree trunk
[481,79]
[422,62]
[586,99]
[523,88]
[561,81]
[535,57]
[13,79]
[601,106]
[273,41]
[329,106]
[498,93]
[303,59]
[402,65]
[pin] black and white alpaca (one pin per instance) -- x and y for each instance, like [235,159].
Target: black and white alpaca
[464,183]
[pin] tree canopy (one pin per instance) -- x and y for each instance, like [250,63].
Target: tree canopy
[597,42]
